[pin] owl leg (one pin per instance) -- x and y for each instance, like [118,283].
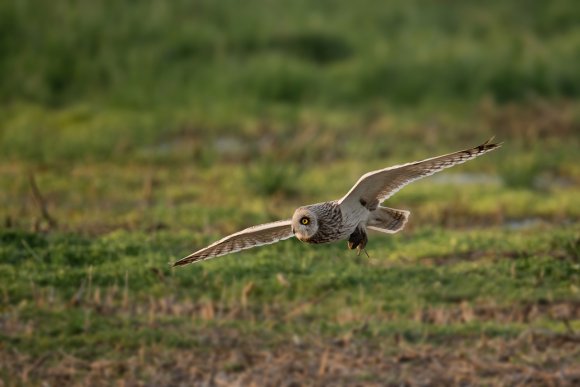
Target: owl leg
[358,240]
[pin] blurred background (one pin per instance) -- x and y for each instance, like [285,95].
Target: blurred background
[133,133]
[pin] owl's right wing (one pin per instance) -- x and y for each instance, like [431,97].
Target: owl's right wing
[377,186]
[263,234]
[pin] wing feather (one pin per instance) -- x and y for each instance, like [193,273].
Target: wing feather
[377,186]
[263,234]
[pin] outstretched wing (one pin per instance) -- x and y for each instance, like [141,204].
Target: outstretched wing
[263,234]
[377,186]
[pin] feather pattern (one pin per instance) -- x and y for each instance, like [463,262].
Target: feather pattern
[330,222]
[263,234]
[375,187]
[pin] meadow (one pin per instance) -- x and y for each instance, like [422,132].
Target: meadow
[132,134]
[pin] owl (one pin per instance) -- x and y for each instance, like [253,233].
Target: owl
[348,218]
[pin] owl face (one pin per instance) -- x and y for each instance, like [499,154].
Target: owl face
[304,224]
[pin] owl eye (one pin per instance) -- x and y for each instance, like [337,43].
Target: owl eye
[304,221]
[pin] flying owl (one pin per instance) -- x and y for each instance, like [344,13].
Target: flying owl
[347,218]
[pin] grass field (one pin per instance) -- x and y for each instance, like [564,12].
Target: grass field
[132,134]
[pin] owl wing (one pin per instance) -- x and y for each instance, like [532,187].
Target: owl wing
[263,234]
[377,186]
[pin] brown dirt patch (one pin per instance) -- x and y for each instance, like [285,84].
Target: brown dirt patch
[533,358]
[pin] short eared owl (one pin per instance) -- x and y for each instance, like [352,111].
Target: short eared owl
[349,217]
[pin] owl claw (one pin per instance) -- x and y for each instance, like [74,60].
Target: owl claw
[358,240]
[365,251]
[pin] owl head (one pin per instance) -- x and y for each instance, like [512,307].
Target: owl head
[304,223]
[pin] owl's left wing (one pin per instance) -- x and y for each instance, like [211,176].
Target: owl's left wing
[377,186]
[263,234]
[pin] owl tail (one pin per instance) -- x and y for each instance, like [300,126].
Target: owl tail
[388,220]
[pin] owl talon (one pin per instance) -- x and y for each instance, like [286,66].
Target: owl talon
[358,240]
[359,250]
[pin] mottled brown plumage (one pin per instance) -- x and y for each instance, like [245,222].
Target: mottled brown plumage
[347,218]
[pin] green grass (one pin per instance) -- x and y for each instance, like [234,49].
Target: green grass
[429,268]
[328,53]
[152,129]
[101,86]
[111,296]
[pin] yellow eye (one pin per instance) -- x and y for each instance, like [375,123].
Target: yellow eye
[304,221]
